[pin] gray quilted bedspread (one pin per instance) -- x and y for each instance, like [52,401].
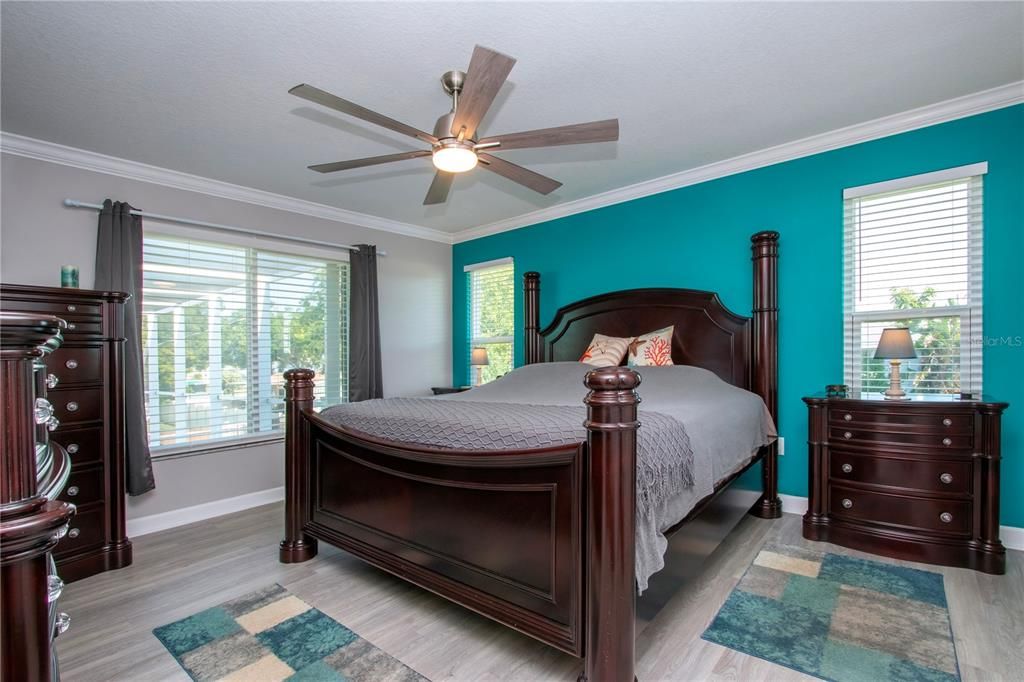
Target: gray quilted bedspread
[664,455]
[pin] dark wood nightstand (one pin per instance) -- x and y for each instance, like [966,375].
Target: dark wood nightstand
[443,390]
[910,479]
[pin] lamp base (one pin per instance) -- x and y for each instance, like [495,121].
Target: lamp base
[895,391]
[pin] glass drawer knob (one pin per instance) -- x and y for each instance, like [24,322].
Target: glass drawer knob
[946,478]
[847,503]
[72,490]
[52,381]
[847,435]
[72,308]
[72,326]
[72,448]
[43,410]
[947,422]
[63,623]
[52,423]
[848,417]
[947,441]
[71,364]
[72,406]
[945,517]
[54,586]
[847,468]
[74,533]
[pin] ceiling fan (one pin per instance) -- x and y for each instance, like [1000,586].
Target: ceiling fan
[455,145]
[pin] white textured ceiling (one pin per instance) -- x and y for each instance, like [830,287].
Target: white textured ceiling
[202,87]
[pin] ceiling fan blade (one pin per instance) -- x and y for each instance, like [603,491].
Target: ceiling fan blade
[579,133]
[438,192]
[486,74]
[370,161]
[524,176]
[317,95]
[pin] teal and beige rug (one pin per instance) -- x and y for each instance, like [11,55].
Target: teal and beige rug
[839,618]
[271,635]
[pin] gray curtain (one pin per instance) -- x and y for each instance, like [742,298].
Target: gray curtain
[119,268]
[364,370]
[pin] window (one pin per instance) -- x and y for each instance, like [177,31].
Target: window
[912,258]
[220,325]
[491,288]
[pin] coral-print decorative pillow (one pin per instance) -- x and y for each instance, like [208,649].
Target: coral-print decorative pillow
[652,349]
[605,351]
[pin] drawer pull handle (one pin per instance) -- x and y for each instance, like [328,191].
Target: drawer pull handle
[72,326]
[847,503]
[63,623]
[945,517]
[848,417]
[54,586]
[52,381]
[72,308]
[947,441]
[847,468]
[72,406]
[52,423]
[946,478]
[43,410]
[74,533]
[847,435]
[947,422]
[72,491]
[71,364]
[72,448]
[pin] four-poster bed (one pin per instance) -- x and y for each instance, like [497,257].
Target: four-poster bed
[543,539]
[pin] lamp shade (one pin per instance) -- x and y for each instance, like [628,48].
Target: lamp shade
[479,357]
[895,344]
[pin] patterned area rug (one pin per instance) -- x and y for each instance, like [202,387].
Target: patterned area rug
[271,635]
[839,618]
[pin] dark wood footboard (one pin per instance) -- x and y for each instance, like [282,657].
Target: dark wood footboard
[510,534]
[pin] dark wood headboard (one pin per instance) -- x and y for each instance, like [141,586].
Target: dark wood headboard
[741,350]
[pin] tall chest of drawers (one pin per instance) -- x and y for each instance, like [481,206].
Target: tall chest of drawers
[913,479]
[86,387]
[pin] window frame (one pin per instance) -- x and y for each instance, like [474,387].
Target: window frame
[157,227]
[969,314]
[474,341]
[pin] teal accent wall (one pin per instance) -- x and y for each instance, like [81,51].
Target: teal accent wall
[698,237]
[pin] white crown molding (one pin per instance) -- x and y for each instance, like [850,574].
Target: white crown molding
[968,105]
[42,150]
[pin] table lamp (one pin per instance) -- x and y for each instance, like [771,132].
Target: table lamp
[478,358]
[894,345]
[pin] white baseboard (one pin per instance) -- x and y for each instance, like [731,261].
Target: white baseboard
[1012,537]
[200,512]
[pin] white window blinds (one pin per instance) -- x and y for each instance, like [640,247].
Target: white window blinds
[221,323]
[491,288]
[913,258]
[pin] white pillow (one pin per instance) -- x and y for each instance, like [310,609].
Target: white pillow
[653,349]
[605,351]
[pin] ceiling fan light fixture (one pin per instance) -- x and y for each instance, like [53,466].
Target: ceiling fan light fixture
[455,157]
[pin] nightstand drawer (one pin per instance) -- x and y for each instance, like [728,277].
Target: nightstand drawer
[854,433]
[929,514]
[926,421]
[946,476]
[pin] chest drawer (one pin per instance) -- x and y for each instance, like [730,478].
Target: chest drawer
[950,516]
[76,365]
[926,421]
[84,445]
[83,319]
[86,530]
[77,404]
[871,435]
[83,486]
[945,476]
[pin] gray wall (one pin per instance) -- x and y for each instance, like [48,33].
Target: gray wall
[38,235]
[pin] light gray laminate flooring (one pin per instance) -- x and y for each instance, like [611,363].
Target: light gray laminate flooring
[184,570]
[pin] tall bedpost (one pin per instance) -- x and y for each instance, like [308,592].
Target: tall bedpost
[531,311]
[765,379]
[611,524]
[298,396]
